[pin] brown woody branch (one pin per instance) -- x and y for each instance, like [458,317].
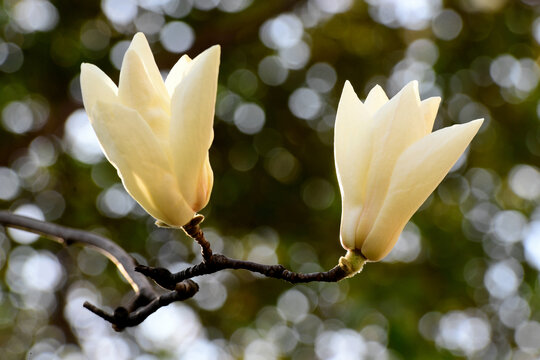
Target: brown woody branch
[146,299]
[122,317]
[216,262]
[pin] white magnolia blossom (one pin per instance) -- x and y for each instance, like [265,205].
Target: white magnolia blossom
[388,162]
[155,133]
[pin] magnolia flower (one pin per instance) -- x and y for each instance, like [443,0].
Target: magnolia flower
[388,162]
[155,133]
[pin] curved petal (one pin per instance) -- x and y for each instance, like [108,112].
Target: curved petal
[96,86]
[429,109]
[376,99]
[191,132]
[177,73]
[140,45]
[417,173]
[352,145]
[350,213]
[397,125]
[206,181]
[137,91]
[131,147]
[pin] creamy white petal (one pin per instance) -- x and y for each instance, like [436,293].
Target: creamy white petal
[350,213]
[137,91]
[177,73]
[96,86]
[376,99]
[429,109]
[140,45]
[417,173]
[142,164]
[397,125]
[206,181]
[191,132]
[352,145]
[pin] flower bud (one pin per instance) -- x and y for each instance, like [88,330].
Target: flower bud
[388,162]
[157,133]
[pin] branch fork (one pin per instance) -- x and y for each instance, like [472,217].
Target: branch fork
[180,285]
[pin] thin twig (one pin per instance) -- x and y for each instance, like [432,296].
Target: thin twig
[193,230]
[216,262]
[122,318]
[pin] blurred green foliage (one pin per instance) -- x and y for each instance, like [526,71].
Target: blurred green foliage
[463,280]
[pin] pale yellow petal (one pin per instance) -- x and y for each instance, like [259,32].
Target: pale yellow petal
[397,125]
[352,145]
[350,214]
[191,132]
[417,173]
[142,165]
[429,109]
[206,181]
[140,45]
[177,73]
[96,86]
[137,91]
[376,99]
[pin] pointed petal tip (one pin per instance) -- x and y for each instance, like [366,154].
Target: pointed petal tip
[431,104]
[208,59]
[376,98]
[348,93]
[139,37]
[478,122]
[139,41]
[185,58]
[132,58]
[209,56]
[377,87]
[411,86]
[474,125]
[413,83]
[213,51]
[377,92]
[95,86]
[347,86]
[411,89]
[88,68]
[215,48]
[129,57]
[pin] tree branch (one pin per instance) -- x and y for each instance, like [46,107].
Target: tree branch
[122,318]
[146,300]
[216,262]
[68,236]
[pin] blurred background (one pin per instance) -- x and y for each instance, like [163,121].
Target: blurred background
[463,280]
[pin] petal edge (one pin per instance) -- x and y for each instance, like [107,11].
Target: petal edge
[418,171]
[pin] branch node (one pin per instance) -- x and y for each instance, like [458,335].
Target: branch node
[187,287]
[161,276]
[276,270]
[193,230]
